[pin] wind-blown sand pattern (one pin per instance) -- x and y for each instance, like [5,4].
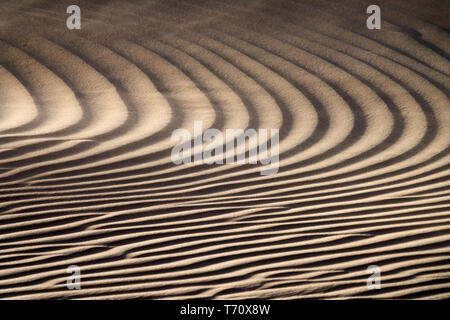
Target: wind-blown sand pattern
[86,176]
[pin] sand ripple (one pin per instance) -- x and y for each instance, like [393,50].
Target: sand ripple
[86,176]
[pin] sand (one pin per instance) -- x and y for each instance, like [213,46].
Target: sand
[86,177]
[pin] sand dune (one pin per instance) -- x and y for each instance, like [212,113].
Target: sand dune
[86,176]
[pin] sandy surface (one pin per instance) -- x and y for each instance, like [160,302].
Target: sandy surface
[86,176]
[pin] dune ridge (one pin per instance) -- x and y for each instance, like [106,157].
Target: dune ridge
[86,176]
